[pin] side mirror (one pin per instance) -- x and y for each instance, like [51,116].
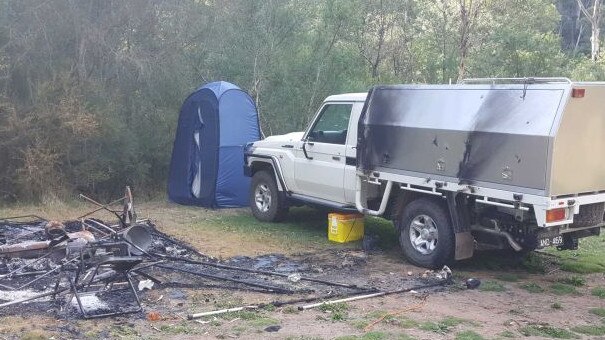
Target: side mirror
[304,149]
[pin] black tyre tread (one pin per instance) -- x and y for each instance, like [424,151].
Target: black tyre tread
[444,253]
[278,210]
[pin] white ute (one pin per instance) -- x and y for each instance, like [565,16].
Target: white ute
[487,164]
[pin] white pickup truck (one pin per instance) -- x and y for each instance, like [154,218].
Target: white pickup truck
[490,163]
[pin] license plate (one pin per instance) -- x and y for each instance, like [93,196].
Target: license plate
[550,240]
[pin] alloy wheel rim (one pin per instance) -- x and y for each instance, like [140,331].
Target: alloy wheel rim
[262,197]
[423,234]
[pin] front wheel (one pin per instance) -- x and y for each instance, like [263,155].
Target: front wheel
[266,202]
[426,235]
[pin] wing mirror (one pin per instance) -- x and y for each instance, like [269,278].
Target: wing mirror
[304,148]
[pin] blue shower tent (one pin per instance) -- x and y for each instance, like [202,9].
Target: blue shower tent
[215,123]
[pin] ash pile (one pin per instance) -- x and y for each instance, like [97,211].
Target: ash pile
[90,268]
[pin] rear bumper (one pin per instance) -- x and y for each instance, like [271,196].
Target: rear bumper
[572,205]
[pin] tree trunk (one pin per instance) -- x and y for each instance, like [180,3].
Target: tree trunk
[596,30]
[381,34]
[465,23]
[596,44]
[595,21]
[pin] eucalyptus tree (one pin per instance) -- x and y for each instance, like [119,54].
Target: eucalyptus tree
[594,17]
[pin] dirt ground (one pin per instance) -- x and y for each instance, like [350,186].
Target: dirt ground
[514,300]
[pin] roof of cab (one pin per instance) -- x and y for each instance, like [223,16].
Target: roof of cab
[348,97]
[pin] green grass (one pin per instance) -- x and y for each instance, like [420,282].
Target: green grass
[123,331]
[588,258]
[563,289]
[598,292]
[590,330]
[384,230]
[547,332]
[337,311]
[180,328]
[405,322]
[492,286]
[510,277]
[395,320]
[534,263]
[468,335]
[444,326]
[508,334]
[290,310]
[582,266]
[532,287]
[303,225]
[556,305]
[269,307]
[244,315]
[598,312]
[35,335]
[574,280]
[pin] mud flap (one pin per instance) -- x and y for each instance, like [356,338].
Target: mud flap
[465,244]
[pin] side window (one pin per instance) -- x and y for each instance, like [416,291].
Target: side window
[332,125]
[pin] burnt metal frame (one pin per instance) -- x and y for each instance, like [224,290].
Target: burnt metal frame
[111,261]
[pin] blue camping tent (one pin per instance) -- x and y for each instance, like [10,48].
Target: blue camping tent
[215,123]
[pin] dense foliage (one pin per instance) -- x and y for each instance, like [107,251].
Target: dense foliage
[90,89]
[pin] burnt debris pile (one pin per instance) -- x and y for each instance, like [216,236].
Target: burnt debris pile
[90,268]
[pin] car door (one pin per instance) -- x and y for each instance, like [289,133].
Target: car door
[319,170]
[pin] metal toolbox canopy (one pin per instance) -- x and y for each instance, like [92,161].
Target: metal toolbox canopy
[523,135]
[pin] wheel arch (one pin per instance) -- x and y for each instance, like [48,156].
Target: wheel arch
[273,205]
[402,198]
[268,163]
[457,210]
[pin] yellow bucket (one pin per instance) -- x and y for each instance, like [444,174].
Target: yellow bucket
[345,227]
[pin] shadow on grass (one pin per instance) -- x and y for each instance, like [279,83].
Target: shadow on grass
[304,225]
[588,258]
[503,260]
[309,226]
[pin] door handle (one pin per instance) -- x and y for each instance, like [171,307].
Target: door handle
[336,158]
[288,146]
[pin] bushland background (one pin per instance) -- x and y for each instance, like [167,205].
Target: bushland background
[90,89]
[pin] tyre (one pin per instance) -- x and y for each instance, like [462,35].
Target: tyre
[266,202]
[426,235]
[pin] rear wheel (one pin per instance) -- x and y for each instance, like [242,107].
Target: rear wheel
[425,233]
[266,202]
